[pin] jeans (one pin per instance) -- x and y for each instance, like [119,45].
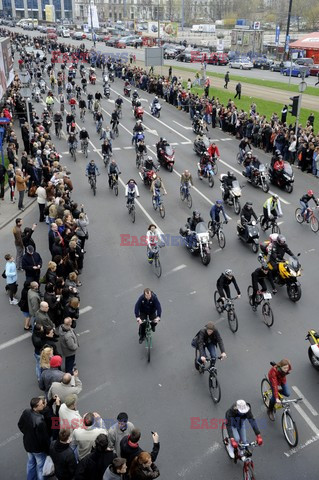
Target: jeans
[240,435]
[285,390]
[21,197]
[37,366]
[304,207]
[19,255]
[142,327]
[35,465]
[212,351]
[69,364]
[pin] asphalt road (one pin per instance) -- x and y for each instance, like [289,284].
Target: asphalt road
[164,395]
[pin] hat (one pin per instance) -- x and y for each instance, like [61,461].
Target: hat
[30,249]
[122,417]
[70,399]
[210,326]
[242,406]
[55,361]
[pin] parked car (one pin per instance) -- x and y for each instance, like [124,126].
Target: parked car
[307,62]
[78,35]
[218,58]
[295,71]
[184,56]
[241,63]
[170,53]
[262,63]
[112,41]
[276,66]
[314,70]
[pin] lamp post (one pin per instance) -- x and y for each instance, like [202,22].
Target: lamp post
[287,31]
[302,88]
[25,91]
[158,24]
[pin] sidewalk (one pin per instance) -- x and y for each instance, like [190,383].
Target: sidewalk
[9,211]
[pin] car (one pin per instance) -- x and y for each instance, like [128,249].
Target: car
[66,33]
[78,36]
[170,53]
[52,36]
[262,63]
[307,62]
[276,66]
[314,70]
[296,71]
[241,63]
[112,41]
[218,58]
[184,57]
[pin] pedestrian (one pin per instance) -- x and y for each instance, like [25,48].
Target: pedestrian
[36,438]
[11,181]
[69,415]
[50,340]
[170,72]
[94,465]
[70,384]
[82,231]
[24,307]
[130,447]
[36,338]
[238,91]
[34,299]
[317,79]
[31,264]
[27,237]
[226,79]
[207,85]
[85,436]
[3,172]
[117,469]
[119,430]
[63,456]
[17,233]
[21,187]
[143,468]
[11,278]
[41,199]
[69,344]
[52,374]
[284,112]
[311,119]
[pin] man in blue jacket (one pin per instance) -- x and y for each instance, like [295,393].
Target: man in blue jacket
[149,306]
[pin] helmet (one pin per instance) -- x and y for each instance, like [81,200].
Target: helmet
[154,176]
[219,202]
[280,157]
[45,110]
[39,152]
[83,129]
[249,153]
[248,205]
[156,98]
[228,272]
[310,193]
[277,152]
[139,121]
[230,173]
[274,195]
[149,159]
[164,140]
[264,265]
[158,183]
[281,240]
[196,214]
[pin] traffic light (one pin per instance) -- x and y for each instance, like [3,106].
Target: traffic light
[294,105]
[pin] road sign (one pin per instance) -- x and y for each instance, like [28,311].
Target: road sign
[4,120]
[154,56]
[256,25]
[277,35]
[287,43]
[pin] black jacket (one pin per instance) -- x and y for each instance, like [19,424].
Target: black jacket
[148,307]
[204,339]
[278,252]
[37,341]
[258,275]
[93,466]
[35,434]
[64,460]
[28,262]
[246,214]
[145,473]
[235,419]
[225,281]
[129,453]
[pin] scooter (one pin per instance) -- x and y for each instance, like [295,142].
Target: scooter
[234,194]
[282,178]
[313,350]
[92,78]
[202,245]
[258,177]
[156,110]
[201,146]
[166,157]
[42,86]
[147,175]
[252,236]
[206,172]
[138,113]
[127,91]
[107,91]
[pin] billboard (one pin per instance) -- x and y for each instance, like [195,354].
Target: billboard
[93,20]
[171,29]
[6,65]
[50,13]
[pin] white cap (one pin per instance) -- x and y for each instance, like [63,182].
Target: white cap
[242,406]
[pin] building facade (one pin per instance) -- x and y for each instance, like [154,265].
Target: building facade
[19,9]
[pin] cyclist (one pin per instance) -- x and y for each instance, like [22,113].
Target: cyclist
[106,148]
[141,148]
[90,100]
[72,103]
[227,182]
[91,169]
[96,107]
[152,240]
[271,207]
[98,120]
[113,169]
[82,107]
[244,143]
[49,101]
[147,305]
[215,211]
[208,338]
[223,283]
[57,122]
[72,142]
[69,119]
[62,102]
[304,202]
[84,84]
[258,277]
[114,119]
[186,180]
[78,92]
[118,103]
[277,378]
[84,136]
[236,417]
[157,184]
[131,191]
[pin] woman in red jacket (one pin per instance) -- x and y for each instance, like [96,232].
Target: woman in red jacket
[277,378]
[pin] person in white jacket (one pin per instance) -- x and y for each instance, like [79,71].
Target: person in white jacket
[152,241]
[131,191]
[70,417]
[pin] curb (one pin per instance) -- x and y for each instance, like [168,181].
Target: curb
[9,220]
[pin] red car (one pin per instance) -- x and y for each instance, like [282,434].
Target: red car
[314,70]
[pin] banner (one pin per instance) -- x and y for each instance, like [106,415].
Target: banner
[171,29]
[50,13]
[6,65]
[93,20]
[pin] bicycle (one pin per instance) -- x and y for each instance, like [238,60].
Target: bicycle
[115,130]
[131,208]
[157,203]
[248,464]
[92,182]
[270,223]
[73,109]
[185,194]
[288,424]
[82,114]
[227,306]
[148,338]
[73,153]
[213,383]
[118,110]
[309,217]
[98,126]
[156,260]
[262,298]
[84,147]
[62,108]
[58,129]
[50,109]
[114,184]
[217,229]
[106,158]
[140,159]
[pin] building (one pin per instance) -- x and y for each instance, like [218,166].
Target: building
[246,40]
[19,9]
[310,44]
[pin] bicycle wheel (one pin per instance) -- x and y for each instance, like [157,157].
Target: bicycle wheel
[116,189]
[249,293]
[221,239]
[289,428]
[74,155]
[299,217]
[226,441]
[162,211]
[154,202]
[248,471]
[268,314]
[314,225]
[266,392]
[148,343]
[263,226]
[232,321]
[94,188]
[214,387]
[157,267]
[218,305]
[189,201]
[182,194]
[132,213]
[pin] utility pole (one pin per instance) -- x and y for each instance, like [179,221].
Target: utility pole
[158,24]
[287,32]
[182,15]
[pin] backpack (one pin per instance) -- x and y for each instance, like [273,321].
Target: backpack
[195,340]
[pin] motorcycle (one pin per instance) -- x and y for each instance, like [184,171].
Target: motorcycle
[127,91]
[199,126]
[234,193]
[166,157]
[138,113]
[253,234]
[111,76]
[156,110]
[259,177]
[206,172]
[107,91]
[283,178]
[147,175]
[202,245]
[92,78]
[42,86]
[201,146]
[313,350]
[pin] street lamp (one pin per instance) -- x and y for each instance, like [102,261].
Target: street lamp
[302,88]
[25,91]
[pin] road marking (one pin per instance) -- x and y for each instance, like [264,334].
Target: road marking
[217,250]
[128,148]
[83,333]
[280,223]
[186,143]
[129,290]
[18,339]
[176,269]
[197,462]
[226,139]
[175,143]
[307,419]
[149,130]
[301,447]
[10,439]
[305,401]
[85,309]
[183,126]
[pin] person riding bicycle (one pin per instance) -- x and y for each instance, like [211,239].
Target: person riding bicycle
[304,202]
[141,147]
[243,144]
[82,104]
[114,119]
[106,148]
[98,120]
[208,338]
[147,305]
[91,169]
[49,101]
[57,118]
[90,100]
[277,378]
[119,102]
[113,169]
[271,207]
[72,103]
[215,211]
[213,150]
[157,184]
[84,83]
[236,417]
[227,182]
[131,191]
[246,215]
[69,119]
[186,179]
[152,241]
[258,277]
[72,142]
[78,91]
[278,250]
[96,106]
[223,283]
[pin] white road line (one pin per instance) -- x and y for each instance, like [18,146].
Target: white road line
[128,148]
[82,333]
[226,139]
[176,269]
[307,419]
[280,223]
[186,143]
[85,309]
[19,339]
[197,462]
[175,143]
[116,148]
[10,439]
[300,447]
[183,126]
[305,401]
[129,290]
